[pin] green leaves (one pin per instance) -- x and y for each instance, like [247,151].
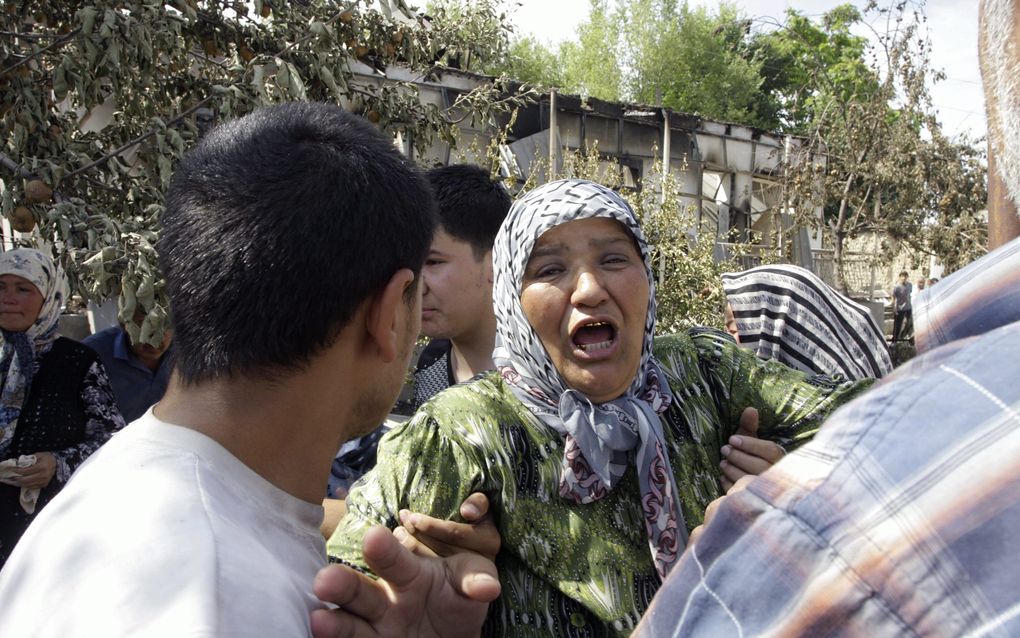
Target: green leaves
[105,113]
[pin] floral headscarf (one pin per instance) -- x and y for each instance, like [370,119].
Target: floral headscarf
[600,440]
[21,350]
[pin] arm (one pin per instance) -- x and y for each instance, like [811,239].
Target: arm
[791,404]
[333,510]
[419,468]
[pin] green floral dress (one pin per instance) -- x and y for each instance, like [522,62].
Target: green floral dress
[567,569]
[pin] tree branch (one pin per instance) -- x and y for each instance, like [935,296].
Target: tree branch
[23,172]
[35,54]
[140,138]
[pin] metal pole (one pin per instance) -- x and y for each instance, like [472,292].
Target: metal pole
[552,135]
[662,187]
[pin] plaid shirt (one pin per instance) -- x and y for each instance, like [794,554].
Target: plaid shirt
[899,518]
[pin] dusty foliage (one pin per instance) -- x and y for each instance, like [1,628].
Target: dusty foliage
[169,70]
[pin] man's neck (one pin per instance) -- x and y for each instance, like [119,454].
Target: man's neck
[472,355]
[287,431]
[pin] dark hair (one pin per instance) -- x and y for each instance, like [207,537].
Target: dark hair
[904,273]
[277,227]
[471,206]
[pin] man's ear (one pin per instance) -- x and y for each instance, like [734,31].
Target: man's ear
[385,319]
[488,265]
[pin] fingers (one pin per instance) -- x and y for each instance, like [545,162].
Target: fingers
[768,451]
[446,538]
[474,507]
[335,623]
[748,422]
[430,536]
[736,463]
[389,559]
[354,592]
[474,577]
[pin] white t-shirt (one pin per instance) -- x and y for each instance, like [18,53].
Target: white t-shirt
[163,532]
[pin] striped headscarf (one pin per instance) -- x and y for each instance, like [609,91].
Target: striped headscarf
[21,350]
[788,314]
[600,440]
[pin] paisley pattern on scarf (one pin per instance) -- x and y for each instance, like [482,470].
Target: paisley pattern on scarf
[602,440]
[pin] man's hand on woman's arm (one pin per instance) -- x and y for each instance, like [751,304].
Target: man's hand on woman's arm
[438,584]
[415,595]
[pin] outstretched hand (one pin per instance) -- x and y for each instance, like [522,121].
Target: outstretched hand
[415,595]
[746,454]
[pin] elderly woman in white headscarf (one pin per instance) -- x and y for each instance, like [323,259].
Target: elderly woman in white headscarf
[597,444]
[56,404]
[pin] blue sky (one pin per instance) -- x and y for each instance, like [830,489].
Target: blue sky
[952,25]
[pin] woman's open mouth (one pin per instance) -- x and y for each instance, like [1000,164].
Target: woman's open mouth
[594,338]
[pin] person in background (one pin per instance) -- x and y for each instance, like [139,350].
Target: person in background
[139,371]
[202,517]
[56,404]
[457,309]
[901,294]
[899,517]
[788,314]
[921,282]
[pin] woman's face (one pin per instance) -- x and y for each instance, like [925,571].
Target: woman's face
[20,303]
[585,292]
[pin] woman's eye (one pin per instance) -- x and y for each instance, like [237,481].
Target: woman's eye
[547,271]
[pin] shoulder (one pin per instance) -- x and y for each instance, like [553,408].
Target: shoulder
[485,394]
[471,415]
[695,341]
[102,337]
[433,352]
[68,352]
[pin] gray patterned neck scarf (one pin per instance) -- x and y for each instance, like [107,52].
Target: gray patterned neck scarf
[600,440]
[21,350]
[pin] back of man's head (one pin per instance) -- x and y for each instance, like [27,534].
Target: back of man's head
[470,204]
[277,227]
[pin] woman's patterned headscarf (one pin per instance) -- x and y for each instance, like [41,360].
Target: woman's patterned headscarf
[21,350]
[600,440]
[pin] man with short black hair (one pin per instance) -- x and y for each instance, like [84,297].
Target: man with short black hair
[295,309]
[457,300]
[456,309]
